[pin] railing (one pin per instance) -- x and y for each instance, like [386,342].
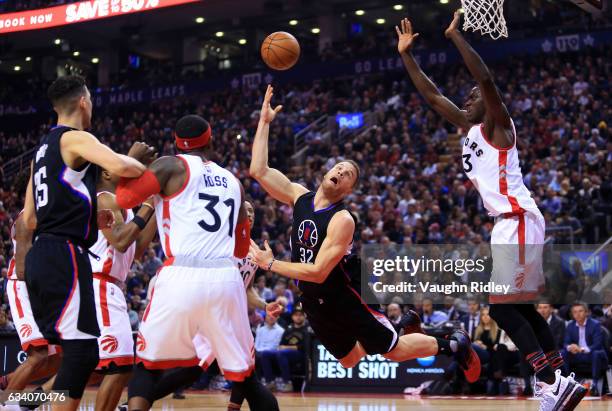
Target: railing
[299,140]
[17,164]
[561,229]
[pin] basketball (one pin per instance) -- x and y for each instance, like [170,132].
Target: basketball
[280,50]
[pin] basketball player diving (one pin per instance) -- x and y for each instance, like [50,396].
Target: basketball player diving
[321,240]
[490,160]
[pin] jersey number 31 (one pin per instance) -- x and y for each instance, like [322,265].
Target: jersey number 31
[212,201]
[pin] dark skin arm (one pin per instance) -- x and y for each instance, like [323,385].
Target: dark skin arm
[23,238]
[497,120]
[121,234]
[145,237]
[424,85]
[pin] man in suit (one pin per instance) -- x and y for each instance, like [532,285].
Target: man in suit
[431,317]
[556,324]
[472,318]
[451,310]
[584,344]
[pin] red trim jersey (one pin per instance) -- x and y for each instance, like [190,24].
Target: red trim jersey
[496,174]
[112,262]
[198,222]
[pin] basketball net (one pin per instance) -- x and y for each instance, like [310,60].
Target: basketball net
[486,16]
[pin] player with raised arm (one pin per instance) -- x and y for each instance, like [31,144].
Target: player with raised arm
[61,206]
[321,243]
[202,224]
[490,160]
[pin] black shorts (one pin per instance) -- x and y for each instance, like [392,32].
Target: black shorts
[60,285]
[342,319]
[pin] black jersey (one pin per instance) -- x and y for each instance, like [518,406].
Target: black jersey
[65,199]
[308,233]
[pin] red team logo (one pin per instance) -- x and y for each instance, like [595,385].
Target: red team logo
[141,344]
[307,233]
[25,330]
[109,344]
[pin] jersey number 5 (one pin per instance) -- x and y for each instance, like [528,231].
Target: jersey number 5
[210,207]
[41,188]
[467,166]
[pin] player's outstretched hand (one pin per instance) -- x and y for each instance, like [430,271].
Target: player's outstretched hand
[267,112]
[262,258]
[454,25]
[274,309]
[405,36]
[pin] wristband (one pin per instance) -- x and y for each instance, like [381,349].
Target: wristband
[270,265]
[139,221]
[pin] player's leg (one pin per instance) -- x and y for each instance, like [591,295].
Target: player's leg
[38,365]
[109,392]
[59,281]
[116,345]
[163,318]
[226,327]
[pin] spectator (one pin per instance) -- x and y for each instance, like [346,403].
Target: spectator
[394,314]
[556,324]
[450,309]
[583,345]
[471,320]
[267,340]
[292,351]
[151,263]
[430,316]
[264,292]
[6,326]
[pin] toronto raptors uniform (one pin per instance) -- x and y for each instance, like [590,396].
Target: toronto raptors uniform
[518,234]
[247,270]
[115,343]
[19,303]
[199,289]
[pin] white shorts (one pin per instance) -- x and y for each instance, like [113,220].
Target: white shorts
[23,318]
[203,351]
[188,301]
[115,344]
[517,244]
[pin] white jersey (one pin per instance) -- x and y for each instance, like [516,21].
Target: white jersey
[247,269]
[197,223]
[496,174]
[112,262]
[12,273]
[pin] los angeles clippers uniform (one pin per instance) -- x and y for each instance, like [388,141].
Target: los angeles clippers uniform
[518,234]
[19,303]
[116,345]
[247,270]
[335,310]
[57,271]
[199,289]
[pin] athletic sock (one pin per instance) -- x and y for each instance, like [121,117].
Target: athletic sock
[541,367]
[446,347]
[555,360]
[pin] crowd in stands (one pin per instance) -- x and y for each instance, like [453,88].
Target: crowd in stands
[410,191]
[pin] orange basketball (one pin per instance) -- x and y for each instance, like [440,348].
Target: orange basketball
[280,50]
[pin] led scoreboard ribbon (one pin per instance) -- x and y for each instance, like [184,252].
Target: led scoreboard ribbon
[79,12]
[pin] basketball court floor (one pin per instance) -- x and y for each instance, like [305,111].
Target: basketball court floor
[198,400]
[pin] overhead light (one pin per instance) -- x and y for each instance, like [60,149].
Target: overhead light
[315,30]
[199,20]
[95,60]
[238,137]
[57,42]
[219,34]
[218,50]
[398,7]
[76,53]
[242,41]
[380,21]
[444,1]
[293,22]
[359,12]
[461,10]
[28,58]
[17,68]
